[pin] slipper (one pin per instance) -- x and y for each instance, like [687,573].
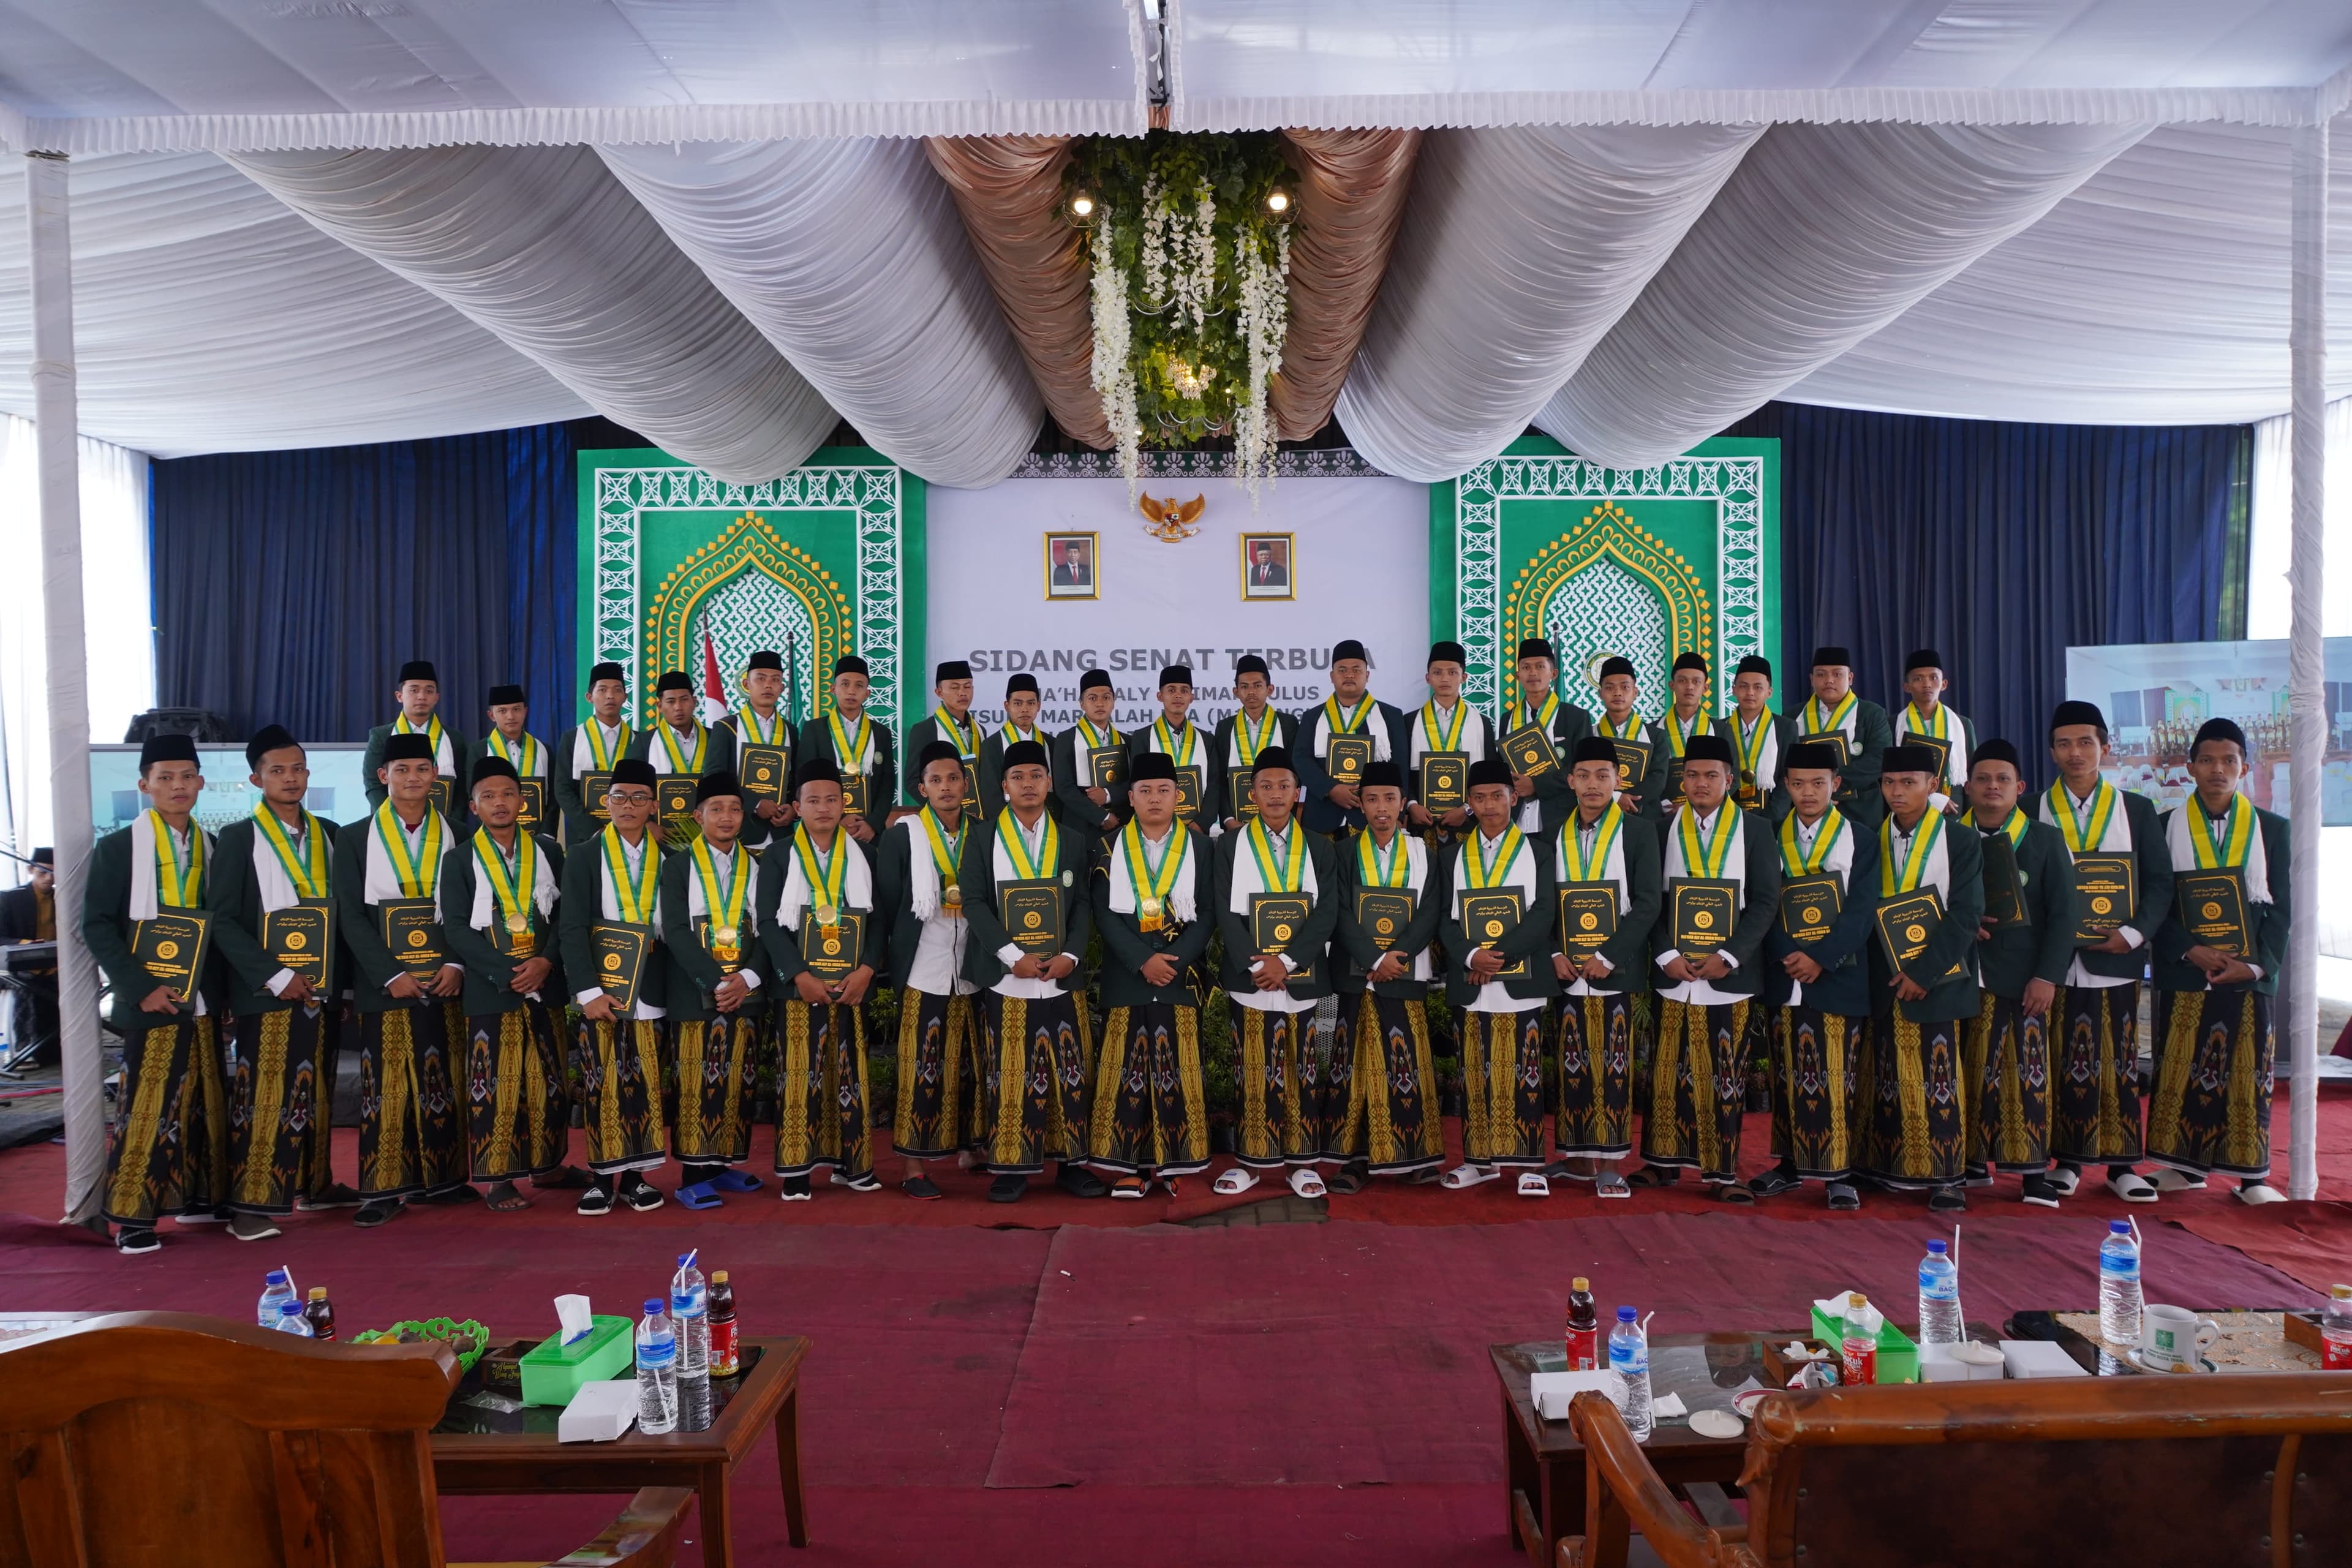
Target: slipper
[1240,1179]
[1425,1176]
[1656,1176]
[1844,1198]
[1532,1185]
[733,1181]
[1466,1175]
[793,1189]
[1729,1193]
[504,1199]
[1349,1179]
[2260,1193]
[1129,1187]
[1771,1183]
[1172,1185]
[450,1197]
[375,1212]
[594,1201]
[2172,1181]
[868,1183]
[562,1179]
[2132,1187]
[920,1188]
[640,1195]
[1306,1183]
[1564,1169]
[1610,1184]
[698,1195]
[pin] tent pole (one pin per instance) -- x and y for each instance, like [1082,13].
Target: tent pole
[58,448]
[2307,351]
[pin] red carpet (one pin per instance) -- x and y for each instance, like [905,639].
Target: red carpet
[2312,1242]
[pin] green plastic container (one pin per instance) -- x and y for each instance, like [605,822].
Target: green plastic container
[552,1371]
[1899,1355]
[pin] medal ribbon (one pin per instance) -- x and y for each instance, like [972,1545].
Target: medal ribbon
[1291,876]
[1705,860]
[826,877]
[633,897]
[1452,740]
[1751,742]
[1102,737]
[1167,741]
[2229,849]
[1914,864]
[1818,723]
[763,735]
[967,742]
[2086,831]
[1335,724]
[1484,873]
[178,887]
[527,764]
[1392,868]
[678,763]
[1700,724]
[1048,859]
[1610,730]
[1253,741]
[305,864]
[2014,827]
[1794,861]
[400,726]
[1011,733]
[854,759]
[1550,711]
[600,755]
[1153,881]
[724,907]
[512,890]
[419,873]
[947,854]
[1912,724]
[1584,868]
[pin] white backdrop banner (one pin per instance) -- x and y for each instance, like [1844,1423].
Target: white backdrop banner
[1350,549]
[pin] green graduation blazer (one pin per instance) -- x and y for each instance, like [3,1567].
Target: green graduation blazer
[1955,942]
[2269,921]
[694,975]
[983,914]
[1309,948]
[106,931]
[2044,947]
[579,906]
[1534,940]
[1629,952]
[489,973]
[1353,951]
[232,894]
[373,965]
[461,757]
[1127,945]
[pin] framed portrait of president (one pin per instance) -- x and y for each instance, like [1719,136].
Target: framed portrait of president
[1070,566]
[1269,566]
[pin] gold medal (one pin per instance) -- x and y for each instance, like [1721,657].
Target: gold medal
[1149,908]
[828,917]
[725,936]
[951,897]
[519,925]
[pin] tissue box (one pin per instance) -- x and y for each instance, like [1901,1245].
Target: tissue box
[1552,1390]
[2039,1358]
[599,1413]
[1938,1363]
[1898,1357]
[552,1371]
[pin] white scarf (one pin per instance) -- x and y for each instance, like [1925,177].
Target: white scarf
[543,886]
[1520,874]
[1735,870]
[1184,894]
[1474,735]
[658,755]
[1375,725]
[924,895]
[2116,840]
[857,879]
[1246,879]
[747,866]
[143,904]
[1767,754]
[531,764]
[584,759]
[382,884]
[270,883]
[2177,838]
[1937,873]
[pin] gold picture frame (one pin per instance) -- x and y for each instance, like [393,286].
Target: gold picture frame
[1084,576]
[1284,564]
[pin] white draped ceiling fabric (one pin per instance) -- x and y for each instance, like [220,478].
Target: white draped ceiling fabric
[1631,221]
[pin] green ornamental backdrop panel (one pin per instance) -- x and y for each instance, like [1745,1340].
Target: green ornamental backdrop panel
[820,563]
[1642,563]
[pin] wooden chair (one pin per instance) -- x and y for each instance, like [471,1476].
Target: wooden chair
[162,1439]
[2040,1473]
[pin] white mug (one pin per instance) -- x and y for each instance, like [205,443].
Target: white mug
[2171,1337]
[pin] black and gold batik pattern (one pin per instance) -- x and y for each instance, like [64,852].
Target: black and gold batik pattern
[938,1074]
[2095,1110]
[2212,1106]
[281,1086]
[621,1093]
[1917,1102]
[713,1122]
[1151,1114]
[1817,1124]
[1393,1123]
[2008,1070]
[1595,1116]
[1034,1082]
[1698,1088]
[1502,1082]
[1266,1047]
[170,1154]
[410,1138]
[821,1093]
[518,1114]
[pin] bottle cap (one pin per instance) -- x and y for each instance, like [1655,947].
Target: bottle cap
[2118,1228]
[1853,1299]
[718,1277]
[286,1307]
[317,1292]
[653,1306]
[683,1258]
[1624,1314]
[2340,1292]
[275,1277]
[1935,1246]
[1579,1283]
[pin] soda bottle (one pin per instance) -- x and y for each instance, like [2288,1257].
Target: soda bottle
[2335,1330]
[1583,1326]
[726,1359]
[1858,1347]
[319,1314]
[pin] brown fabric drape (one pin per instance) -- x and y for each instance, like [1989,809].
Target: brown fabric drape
[1009,190]
[1351,193]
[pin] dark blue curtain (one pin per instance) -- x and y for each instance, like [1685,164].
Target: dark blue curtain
[1996,545]
[290,586]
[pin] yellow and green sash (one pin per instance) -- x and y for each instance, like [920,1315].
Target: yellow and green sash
[1677,739]
[400,726]
[418,874]
[679,763]
[1450,740]
[768,734]
[1912,724]
[305,863]
[633,896]
[1592,867]
[1609,730]
[601,757]
[1814,720]
[1338,723]
[1251,741]
[2086,830]
[2227,849]
[723,905]
[857,758]
[1048,860]
[1529,716]
[1290,876]
[967,740]
[1796,862]
[177,886]
[1012,733]
[527,762]
[2013,828]
[947,854]
[1751,742]
[1096,739]
[1183,758]
[1893,880]
[1707,860]
[1376,867]
[510,891]
[1152,883]
[826,877]
[1480,871]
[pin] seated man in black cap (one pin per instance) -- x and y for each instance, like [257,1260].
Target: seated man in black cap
[30,913]
[1601,853]
[718,993]
[387,878]
[2216,976]
[1926,721]
[1760,740]
[287,1027]
[1817,984]
[678,746]
[1033,1095]
[1150,894]
[509,740]
[951,722]
[919,901]
[859,747]
[1688,713]
[1201,784]
[418,692]
[2094,1111]
[610,908]
[497,909]
[1641,758]
[1274,973]
[167,1015]
[1243,733]
[1834,713]
[1331,806]
[760,727]
[1448,728]
[1021,704]
[2022,952]
[1544,797]
[584,756]
[1382,968]
[1499,980]
[1093,744]
[1697,1091]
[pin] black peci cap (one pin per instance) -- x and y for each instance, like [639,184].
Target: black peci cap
[1277,757]
[183,749]
[1995,750]
[417,670]
[1026,754]
[635,771]
[2072,712]
[1491,770]
[952,669]
[1176,675]
[501,696]
[817,770]
[1831,655]
[1093,678]
[268,739]
[2219,730]
[714,785]
[1251,663]
[407,748]
[1907,760]
[938,752]
[1708,747]
[598,673]
[1616,665]
[1692,661]
[850,664]
[1151,765]
[1349,647]
[1381,775]
[766,658]
[1754,664]
[673,680]
[1922,658]
[1813,755]
[1593,749]
[1537,648]
[492,768]
[1024,681]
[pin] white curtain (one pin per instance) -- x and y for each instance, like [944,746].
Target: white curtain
[1521,248]
[118,620]
[544,246]
[2269,605]
[851,258]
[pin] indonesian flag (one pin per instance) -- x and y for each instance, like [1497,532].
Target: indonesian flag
[714,689]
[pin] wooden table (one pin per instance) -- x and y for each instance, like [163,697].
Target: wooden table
[477,1451]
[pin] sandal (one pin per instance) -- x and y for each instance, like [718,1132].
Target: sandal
[1129,1187]
[2258,1193]
[1610,1184]
[1533,1184]
[1172,1185]
[1656,1176]
[1729,1193]
[734,1181]
[1240,1179]
[1350,1178]
[1773,1183]
[1306,1183]
[504,1199]
[1466,1175]
[698,1195]
[594,1200]
[639,1194]
[1843,1198]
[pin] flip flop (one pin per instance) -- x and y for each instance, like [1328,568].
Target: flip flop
[1729,1193]
[507,1201]
[1532,1185]
[1129,1187]
[733,1181]
[1656,1176]
[1306,1183]
[2260,1193]
[1610,1184]
[2172,1181]
[1466,1175]
[1240,1179]
[698,1196]
[1349,1179]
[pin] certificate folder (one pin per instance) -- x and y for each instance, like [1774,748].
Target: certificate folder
[1445,781]
[1237,793]
[1107,766]
[1588,917]
[534,805]
[1701,912]
[1810,905]
[1345,757]
[301,937]
[1033,915]
[1488,919]
[1188,792]
[411,929]
[764,774]
[172,947]
[1907,923]
[2107,891]
[2211,908]
[1529,750]
[1275,920]
[1384,912]
[1632,762]
[2004,889]
[830,951]
[619,952]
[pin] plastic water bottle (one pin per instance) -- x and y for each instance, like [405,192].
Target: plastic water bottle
[2335,1330]
[2119,1298]
[1629,1358]
[275,1288]
[690,1306]
[656,1371]
[290,1319]
[1939,1297]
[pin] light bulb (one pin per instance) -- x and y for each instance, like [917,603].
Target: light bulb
[1278,201]
[1083,206]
